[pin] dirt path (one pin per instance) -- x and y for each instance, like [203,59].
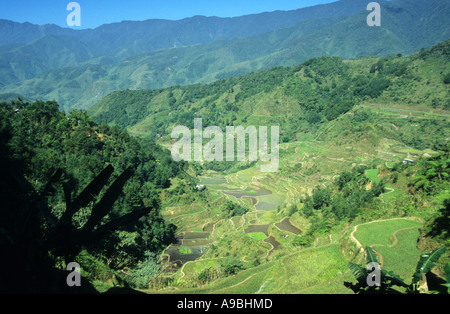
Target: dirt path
[395,235]
[360,246]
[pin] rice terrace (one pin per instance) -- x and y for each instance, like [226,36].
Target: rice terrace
[271,247]
[273,253]
[303,150]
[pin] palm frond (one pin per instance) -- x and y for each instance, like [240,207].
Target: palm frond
[426,263]
[371,257]
[358,271]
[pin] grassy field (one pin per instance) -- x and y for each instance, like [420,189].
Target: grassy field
[257,235]
[395,242]
[372,174]
[391,191]
[308,271]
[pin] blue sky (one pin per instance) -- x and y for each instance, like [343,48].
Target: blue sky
[97,12]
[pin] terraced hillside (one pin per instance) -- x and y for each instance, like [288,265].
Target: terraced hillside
[394,241]
[267,244]
[280,245]
[351,164]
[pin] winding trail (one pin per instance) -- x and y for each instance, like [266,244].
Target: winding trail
[360,246]
[395,235]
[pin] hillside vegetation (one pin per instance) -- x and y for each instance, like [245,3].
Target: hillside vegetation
[363,175]
[209,49]
[346,128]
[75,190]
[310,97]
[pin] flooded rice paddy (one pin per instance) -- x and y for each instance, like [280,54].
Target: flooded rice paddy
[286,225]
[189,247]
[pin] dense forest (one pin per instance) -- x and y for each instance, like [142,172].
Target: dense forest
[57,167]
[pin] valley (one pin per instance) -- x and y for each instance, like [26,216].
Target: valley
[265,240]
[359,123]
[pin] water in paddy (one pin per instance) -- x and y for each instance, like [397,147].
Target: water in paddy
[273,242]
[175,256]
[252,194]
[264,229]
[286,225]
[189,247]
[258,228]
[247,193]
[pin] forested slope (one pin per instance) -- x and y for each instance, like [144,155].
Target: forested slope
[300,99]
[73,190]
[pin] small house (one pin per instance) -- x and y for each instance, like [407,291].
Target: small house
[199,187]
[407,161]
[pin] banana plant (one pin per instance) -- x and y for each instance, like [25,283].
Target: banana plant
[425,264]
[389,282]
[386,280]
[66,240]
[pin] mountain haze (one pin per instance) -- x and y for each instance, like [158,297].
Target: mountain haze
[298,98]
[210,48]
[360,145]
[123,39]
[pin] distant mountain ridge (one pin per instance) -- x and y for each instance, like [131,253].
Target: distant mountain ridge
[50,67]
[154,34]
[28,51]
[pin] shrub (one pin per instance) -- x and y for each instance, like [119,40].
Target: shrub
[303,240]
[145,270]
[232,266]
[447,79]
[232,209]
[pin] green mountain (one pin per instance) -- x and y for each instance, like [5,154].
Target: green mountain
[41,55]
[114,42]
[364,162]
[157,33]
[300,99]
[407,26]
